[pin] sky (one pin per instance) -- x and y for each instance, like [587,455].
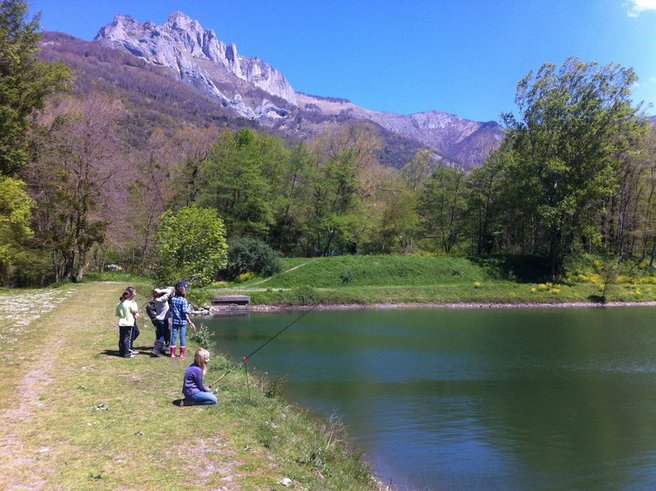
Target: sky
[463,57]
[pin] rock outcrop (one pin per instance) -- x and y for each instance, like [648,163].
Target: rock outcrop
[183,45]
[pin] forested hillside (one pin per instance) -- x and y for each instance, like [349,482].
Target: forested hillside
[107,145]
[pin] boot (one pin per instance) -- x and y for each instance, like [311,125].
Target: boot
[183,349]
[157,349]
[173,351]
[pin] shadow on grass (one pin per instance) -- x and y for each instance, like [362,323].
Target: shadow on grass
[110,352]
[519,268]
[188,403]
[142,350]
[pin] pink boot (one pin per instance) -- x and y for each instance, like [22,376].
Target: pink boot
[173,351]
[183,349]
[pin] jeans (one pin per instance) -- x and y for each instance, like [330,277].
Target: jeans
[182,328]
[203,398]
[124,341]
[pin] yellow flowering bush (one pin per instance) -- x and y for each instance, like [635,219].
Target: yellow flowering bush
[548,287]
[245,276]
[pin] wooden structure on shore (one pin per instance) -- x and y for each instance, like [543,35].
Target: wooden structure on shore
[221,303]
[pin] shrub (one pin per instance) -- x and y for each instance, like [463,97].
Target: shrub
[30,268]
[201,336]
[192,246]
[305,295]
[248,255]
[245,276]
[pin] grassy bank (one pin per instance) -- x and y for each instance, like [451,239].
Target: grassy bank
[426,279]
[76,416]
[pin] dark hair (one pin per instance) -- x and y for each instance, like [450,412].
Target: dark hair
[180,290]
[126,294]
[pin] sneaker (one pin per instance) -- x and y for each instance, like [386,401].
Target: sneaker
[129,356]
[134,352]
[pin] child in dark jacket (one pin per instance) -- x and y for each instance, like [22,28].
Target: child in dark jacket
[193,388]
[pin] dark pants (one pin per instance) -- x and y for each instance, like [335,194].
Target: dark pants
[135,335]
[162,332]
[124,341]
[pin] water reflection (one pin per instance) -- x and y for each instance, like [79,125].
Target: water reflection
[516,399]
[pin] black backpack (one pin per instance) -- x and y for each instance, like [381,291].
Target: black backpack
[151,310]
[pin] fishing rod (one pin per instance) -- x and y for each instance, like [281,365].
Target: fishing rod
[245,358]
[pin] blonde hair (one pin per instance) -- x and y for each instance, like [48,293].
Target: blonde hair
[201,357]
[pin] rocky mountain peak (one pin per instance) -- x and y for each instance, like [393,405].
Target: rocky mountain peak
[182,44]
[180,20]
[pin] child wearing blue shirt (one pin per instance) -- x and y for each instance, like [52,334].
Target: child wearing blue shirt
[193,388]
[180,310]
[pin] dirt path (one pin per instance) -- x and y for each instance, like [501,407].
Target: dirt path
[28,363]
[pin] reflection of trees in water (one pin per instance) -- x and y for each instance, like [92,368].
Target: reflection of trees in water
[564,415]
[563,396]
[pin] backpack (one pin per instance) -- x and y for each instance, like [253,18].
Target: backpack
[151,310]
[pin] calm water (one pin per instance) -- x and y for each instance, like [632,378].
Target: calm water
[475,399]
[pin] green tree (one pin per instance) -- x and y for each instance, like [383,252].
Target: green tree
[333,208]
[191,246]
[393,214]
[15,212]
[419,169]
[565,144]
[241,178]
[24,82]
[287,231]
[485,209]
[442,205]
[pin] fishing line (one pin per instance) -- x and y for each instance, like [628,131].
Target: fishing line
[245,358]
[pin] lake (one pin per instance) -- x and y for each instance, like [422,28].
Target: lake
[474,399]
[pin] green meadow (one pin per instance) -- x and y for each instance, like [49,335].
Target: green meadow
[437,280]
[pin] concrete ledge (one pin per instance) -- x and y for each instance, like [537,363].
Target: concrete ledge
[227,300]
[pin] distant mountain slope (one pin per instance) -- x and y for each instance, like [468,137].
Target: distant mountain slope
[180,71]
[460,141]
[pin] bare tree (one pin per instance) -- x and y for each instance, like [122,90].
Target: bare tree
[76,165]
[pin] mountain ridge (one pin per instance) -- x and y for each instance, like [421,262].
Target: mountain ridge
[249,88]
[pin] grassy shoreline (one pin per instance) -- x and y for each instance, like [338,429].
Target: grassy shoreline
[79,417]
[429,306]
[425,282]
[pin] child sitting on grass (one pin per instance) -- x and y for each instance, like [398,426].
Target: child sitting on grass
[193,388]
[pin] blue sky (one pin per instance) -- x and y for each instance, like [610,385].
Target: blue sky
[405,56]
